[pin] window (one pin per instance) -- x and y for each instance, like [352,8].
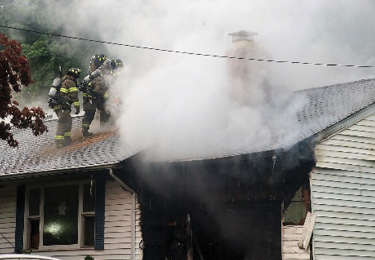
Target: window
[61,216]
[88,216]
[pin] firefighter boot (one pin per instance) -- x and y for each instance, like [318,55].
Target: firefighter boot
[86,133]
[67,141]
[67,138]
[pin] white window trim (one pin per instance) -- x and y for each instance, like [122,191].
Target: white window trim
[81,214]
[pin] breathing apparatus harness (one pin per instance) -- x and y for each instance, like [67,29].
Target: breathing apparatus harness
[55,97]
[54,94]
[85,85]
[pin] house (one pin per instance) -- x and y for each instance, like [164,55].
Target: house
[68,202]
[343,188]
[250,203]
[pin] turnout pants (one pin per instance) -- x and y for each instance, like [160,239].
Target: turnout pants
[90,106]
[64,127]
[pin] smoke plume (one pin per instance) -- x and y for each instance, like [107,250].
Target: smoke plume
[181,105]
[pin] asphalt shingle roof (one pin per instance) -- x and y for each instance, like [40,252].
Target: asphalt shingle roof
[319,109]
[293,118]
[329,105]
[39,154]
[314,110]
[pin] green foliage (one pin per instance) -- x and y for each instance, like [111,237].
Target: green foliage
[88,258]
[46,55]
[44,52]
[27,251]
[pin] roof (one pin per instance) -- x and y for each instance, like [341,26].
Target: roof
[292,119]
[314,110]
[330,105]
[301,115]
[38,154]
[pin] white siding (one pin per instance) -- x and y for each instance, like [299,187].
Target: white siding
[291,236]
[117,230]
[118,220]
[343,194]
[7,219]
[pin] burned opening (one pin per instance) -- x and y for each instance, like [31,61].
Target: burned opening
[228,208]
[296,210]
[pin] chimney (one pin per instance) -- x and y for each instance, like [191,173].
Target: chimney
[247,78]
[242,36]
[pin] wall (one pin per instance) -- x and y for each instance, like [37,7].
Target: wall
[291,235]
[118,232]
[343,194]
[7,219]
[117,242]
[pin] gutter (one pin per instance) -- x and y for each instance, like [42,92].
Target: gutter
[132,214]
[15,176]
[343,124]
[122,184]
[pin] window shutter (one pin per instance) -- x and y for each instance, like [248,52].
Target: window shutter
[20,213]
[99,212]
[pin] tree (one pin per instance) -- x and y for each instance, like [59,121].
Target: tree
[45,55]
[44,52]
[14,74]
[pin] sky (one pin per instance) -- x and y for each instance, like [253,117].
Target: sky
[181,105]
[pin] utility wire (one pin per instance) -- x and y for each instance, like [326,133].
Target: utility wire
[189,53]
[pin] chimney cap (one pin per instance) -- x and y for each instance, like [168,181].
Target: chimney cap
[242,36]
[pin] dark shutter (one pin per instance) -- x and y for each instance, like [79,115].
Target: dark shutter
[20,213]
[99,211]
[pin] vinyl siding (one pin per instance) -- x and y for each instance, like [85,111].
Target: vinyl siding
[343,194]
[8,197]
[291,236]
[117,227]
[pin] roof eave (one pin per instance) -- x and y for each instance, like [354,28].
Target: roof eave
[343,124]
[26,175]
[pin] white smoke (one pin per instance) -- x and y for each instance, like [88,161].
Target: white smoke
[179,104]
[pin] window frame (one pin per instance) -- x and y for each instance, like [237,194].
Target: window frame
[81,216]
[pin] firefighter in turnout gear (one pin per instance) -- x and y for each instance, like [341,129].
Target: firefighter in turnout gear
[62,95]
[116,67]
[95,94]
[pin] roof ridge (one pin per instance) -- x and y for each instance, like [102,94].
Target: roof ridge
[334,85]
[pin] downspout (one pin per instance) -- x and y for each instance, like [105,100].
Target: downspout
[133,212]
[122,184]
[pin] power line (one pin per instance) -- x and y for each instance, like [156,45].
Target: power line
[190,53]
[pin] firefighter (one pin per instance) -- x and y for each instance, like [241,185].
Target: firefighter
[116,67]
[96,61]
[95,92]
[63,93]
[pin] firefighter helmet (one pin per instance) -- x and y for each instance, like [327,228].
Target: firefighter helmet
[117,63]
[97,60]
[75,72]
